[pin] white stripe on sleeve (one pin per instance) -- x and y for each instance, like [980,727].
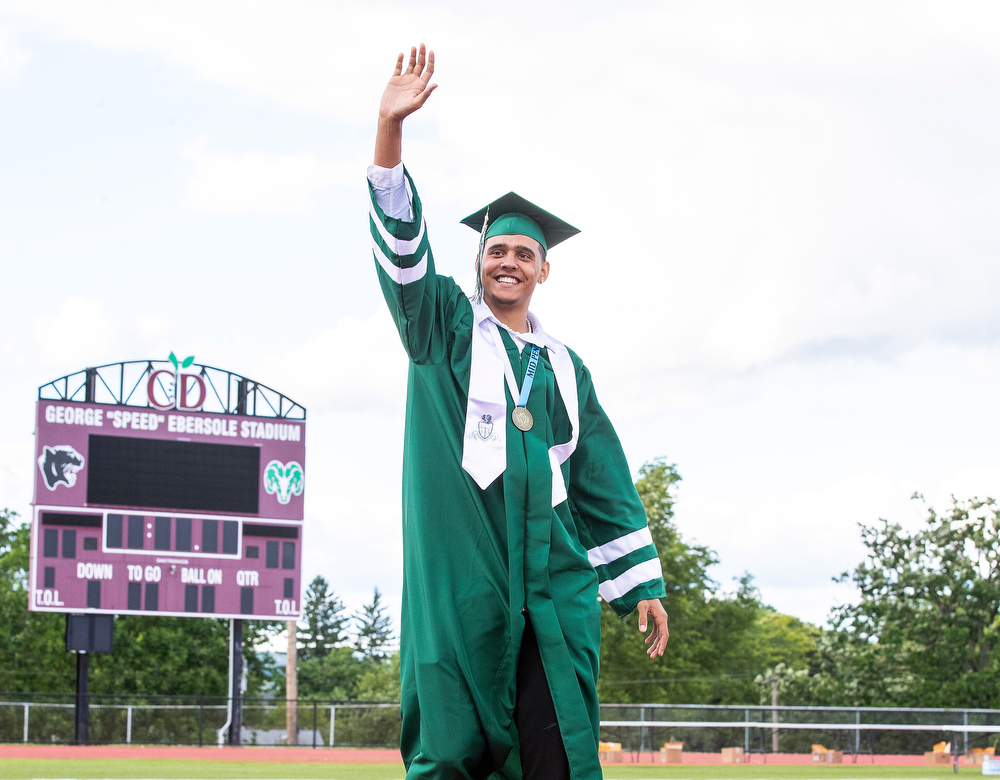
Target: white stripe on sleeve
[396,246]
[623,583]
[620,547]
[397,274]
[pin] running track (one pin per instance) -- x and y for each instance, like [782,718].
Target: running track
[306,755]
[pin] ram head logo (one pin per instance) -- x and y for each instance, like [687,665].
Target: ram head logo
[283,481]
[59,465]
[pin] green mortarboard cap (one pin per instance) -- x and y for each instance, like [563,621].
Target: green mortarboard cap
[511,214]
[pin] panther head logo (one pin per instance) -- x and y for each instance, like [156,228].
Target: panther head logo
[283,481]
[59,465]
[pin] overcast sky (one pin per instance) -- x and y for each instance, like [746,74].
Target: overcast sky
[786,283]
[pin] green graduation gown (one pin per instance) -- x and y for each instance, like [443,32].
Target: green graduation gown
[474,559]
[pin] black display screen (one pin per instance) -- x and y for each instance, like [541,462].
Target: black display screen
[173,474]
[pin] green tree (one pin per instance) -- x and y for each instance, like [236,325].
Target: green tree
[324,623]
[706,659]
[785,640]
[380,681]
[33,653]
[326,669]
[374,633]
[156,655]
[334,676]
[924,629]
[823,684]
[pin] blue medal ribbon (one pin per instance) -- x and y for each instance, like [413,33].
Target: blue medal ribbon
[529,376]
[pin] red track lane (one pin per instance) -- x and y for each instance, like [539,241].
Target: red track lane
[269,755]
[304,755]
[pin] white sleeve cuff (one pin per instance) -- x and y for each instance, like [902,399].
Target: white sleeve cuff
[385,178]
[391,192]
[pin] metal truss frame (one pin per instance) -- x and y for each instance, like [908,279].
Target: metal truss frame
[123,384]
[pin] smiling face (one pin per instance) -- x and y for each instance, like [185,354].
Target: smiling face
[512,266]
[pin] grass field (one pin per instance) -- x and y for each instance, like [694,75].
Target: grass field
[96,769]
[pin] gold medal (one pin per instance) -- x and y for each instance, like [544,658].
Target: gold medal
[521,418]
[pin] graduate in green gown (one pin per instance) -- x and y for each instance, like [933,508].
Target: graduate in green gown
[518,505]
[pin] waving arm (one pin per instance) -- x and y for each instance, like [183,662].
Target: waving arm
[407,91]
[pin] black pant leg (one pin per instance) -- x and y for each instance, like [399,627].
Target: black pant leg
[543,755]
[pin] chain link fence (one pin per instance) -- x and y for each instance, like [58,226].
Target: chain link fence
[185,720]
[852,730]
[189,720]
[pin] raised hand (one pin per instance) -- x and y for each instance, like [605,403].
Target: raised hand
[408,89]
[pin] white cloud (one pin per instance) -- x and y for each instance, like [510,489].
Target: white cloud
[782,230]
[16,474]
[253,183]
[355,366]
[13,58]
[307,54]
[79,333]
[153,329]
[314,55]
[82,332]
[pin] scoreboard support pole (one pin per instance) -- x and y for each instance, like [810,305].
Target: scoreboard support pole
[82,710]
[81,715]
[292,688]
[86,634]
[236,635]
[236,680]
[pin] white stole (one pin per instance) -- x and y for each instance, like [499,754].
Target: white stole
[484,452]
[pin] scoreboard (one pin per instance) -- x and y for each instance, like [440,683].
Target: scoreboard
[169,510]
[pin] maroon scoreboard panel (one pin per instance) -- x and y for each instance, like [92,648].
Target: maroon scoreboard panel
[141,510]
